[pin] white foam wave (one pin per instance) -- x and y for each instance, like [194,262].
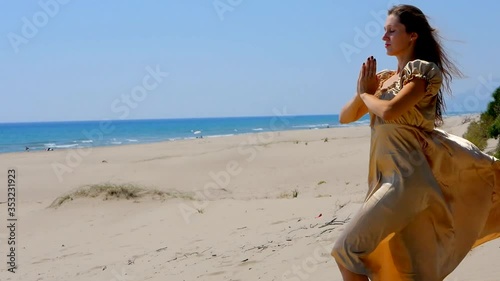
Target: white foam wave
[65,145]
[311,126]
[258,129]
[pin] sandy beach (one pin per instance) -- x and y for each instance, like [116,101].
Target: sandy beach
[264,206]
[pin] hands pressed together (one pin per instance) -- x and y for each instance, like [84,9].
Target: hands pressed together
[368,81]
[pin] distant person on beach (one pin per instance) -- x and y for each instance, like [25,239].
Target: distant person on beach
[432,196]
[26,148]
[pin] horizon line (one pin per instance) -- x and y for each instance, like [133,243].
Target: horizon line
[169,118]
[189,118]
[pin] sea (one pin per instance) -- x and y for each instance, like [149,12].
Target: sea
[42,136]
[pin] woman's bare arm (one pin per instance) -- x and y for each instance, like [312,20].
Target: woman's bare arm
[407,98]
[353,110]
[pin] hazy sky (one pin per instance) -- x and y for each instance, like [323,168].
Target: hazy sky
[94,59]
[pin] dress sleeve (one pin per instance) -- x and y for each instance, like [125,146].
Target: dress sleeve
[421,69]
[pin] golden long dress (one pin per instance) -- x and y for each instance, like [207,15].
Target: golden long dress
[432,196]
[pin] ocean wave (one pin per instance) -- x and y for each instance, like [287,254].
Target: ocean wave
[65,145]
[49,144]
[132,140]
[311,126]
[258,129]
[87,141]
[116,142]
[362,122]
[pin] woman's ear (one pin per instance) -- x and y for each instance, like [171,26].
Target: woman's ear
[413,36]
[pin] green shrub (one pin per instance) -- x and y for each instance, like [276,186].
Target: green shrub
[477,134]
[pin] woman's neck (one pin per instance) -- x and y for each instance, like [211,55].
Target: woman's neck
[403,60]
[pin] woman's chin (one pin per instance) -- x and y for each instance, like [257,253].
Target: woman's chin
[389,52]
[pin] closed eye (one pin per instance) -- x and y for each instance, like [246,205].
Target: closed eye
[390,29]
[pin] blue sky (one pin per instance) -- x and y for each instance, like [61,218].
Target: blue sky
[92,60]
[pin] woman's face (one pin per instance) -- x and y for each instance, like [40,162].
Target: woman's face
[397,41]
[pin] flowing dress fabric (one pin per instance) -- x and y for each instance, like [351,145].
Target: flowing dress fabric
[432,196]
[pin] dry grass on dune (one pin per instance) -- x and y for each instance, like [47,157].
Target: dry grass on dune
[117,191]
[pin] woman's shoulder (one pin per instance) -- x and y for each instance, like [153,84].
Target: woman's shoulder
[423,69]
[421,66]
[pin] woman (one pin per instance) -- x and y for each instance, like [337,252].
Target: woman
[432,196]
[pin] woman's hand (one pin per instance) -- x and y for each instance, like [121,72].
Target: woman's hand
[368,81]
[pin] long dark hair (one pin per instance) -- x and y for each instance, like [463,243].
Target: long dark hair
[428,47]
